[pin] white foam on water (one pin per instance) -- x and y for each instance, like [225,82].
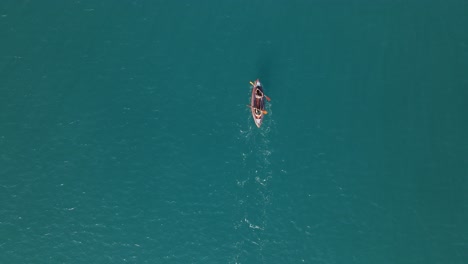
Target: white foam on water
[252,183]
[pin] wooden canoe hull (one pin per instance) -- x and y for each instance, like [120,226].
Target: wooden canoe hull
[257,103]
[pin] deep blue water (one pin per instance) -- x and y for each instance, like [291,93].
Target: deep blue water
[124,135]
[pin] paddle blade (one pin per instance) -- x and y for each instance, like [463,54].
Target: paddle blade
[251,83]
[268,98]
[264,112]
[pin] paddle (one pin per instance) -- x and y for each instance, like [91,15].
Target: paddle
[263,111]
[268,98]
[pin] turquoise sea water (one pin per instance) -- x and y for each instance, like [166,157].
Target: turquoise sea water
[124,135]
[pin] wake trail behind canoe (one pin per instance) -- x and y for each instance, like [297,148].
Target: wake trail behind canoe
[253,191]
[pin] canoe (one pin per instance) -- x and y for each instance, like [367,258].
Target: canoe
[257,102]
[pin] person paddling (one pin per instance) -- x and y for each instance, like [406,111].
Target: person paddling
[258,93]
